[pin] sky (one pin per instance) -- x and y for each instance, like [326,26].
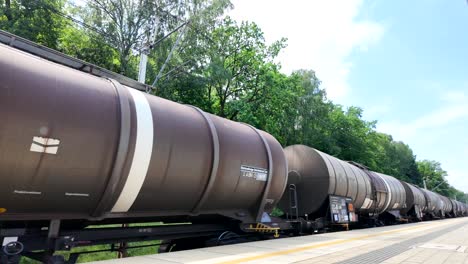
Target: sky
[404,62]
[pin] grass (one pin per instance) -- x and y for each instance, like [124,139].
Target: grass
[104,255]
[108,254]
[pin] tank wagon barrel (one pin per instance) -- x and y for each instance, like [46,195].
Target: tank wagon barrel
[78,146]
[446,205]
[457,208]
[310,169]
[433,202]
[369,192]
[333,191]
[415,200]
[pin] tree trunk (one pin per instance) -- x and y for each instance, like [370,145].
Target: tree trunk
[123,63]
[8,9]
[221,107]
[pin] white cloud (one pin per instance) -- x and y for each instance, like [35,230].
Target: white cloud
[455,108]
[321,35]
[455,97]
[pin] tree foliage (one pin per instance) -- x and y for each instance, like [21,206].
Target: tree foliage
[87,45]
[435,177]
[35,20]
[237,63]
[132,26]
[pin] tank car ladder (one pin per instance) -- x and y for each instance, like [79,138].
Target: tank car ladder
[293,203]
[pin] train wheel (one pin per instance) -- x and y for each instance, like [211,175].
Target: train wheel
[56,260]
[181,244]
[166,246]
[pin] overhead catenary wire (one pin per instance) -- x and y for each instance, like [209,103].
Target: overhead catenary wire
[96,30]
[55,11]
[168,34]
[191,25]
[164,76]
[174,47]
[184,25]
[81,23]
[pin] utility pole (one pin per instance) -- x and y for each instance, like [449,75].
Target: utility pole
[149,45]
[142,66]
[145,50]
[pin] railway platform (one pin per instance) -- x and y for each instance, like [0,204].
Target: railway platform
[442,241]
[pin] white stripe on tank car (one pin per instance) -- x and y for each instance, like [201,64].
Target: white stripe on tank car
[142,154]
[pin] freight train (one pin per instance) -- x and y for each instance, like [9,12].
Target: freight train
[329,190]
[80,147]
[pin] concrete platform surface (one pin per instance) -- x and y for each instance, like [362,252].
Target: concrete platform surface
[442,241]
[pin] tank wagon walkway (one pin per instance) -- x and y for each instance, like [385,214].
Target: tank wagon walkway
[443,241]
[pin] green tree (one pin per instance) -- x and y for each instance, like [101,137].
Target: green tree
[434,176]
[237,64]
[89,46]
[349,132]
[188,56]
[125,24]
[273,111]
[130,26]
[313,120]
[393,158]
[228,69]
[36,20]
